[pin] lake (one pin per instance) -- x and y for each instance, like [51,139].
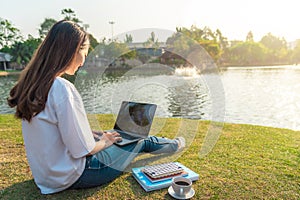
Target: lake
[268,96]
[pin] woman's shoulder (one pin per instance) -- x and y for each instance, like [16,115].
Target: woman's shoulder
[61,82]
[61,86]
[62,91]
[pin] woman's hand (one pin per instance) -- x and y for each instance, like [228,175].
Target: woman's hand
[106,140]
[110,137]
[97,135]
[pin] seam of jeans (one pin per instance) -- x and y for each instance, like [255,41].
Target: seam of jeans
[160,142]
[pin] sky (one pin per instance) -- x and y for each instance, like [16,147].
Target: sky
[234,18]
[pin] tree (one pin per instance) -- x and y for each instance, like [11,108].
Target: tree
[152,41]
[180,43]
[247,53]
[69,14]
[8,33]
[46,26]
[110,51]
[249,37]
[223,41]
[272,42]
[128,39]
[23,51]
[296,53]
[277,48]
[184,40]
[93,42]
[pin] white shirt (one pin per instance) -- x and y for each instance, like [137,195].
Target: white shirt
[58,138]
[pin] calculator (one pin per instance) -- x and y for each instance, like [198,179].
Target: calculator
[162,170]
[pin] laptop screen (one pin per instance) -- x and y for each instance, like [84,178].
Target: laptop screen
[136,118]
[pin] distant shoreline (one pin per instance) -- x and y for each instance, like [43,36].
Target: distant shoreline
[5,73]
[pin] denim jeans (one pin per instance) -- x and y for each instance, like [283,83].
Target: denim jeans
[108,164]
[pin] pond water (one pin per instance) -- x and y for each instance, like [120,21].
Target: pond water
[268,96]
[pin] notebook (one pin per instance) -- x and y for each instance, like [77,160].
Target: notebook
[149,185]
[134,121]
[163,171]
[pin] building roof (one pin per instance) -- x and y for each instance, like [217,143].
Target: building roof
[5,57]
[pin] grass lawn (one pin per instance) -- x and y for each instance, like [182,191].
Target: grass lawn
[247,162]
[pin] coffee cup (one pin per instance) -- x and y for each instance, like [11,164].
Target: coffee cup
[181,186]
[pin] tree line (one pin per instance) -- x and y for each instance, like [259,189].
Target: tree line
[270,50]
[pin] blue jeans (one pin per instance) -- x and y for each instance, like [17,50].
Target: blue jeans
[108,164]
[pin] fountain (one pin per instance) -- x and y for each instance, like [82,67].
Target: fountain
[186,71]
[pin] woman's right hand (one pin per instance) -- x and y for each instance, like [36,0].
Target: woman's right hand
[107,139]
[110,137]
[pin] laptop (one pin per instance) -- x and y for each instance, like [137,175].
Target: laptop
[134,121]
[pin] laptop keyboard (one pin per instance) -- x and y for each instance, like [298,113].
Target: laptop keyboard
[128,137]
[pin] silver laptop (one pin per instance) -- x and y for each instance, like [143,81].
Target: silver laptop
[134,121]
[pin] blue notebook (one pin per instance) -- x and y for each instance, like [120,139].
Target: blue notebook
[148,185]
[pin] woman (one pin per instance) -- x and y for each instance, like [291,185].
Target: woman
[60,145]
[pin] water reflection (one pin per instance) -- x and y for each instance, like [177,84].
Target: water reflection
[176,96]
[188,98]
[6,83]
[262,96]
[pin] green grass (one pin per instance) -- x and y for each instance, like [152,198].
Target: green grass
[247,162]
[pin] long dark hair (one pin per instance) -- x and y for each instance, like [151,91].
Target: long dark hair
[51,59]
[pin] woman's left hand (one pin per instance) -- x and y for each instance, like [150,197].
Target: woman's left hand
[111,137]
[97,134]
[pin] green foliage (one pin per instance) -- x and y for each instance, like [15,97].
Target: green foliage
[223,41]
[277,48]
[114,50]
[296,53]
[22,51]
[130,54]
[270,50]
[8,33]
[250,37]
[46,26]
[128,39]
[272,42]
[247,53]
[212,47]
[93,42]
[185,40]
[152,41]
[69,14]
[180,43]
